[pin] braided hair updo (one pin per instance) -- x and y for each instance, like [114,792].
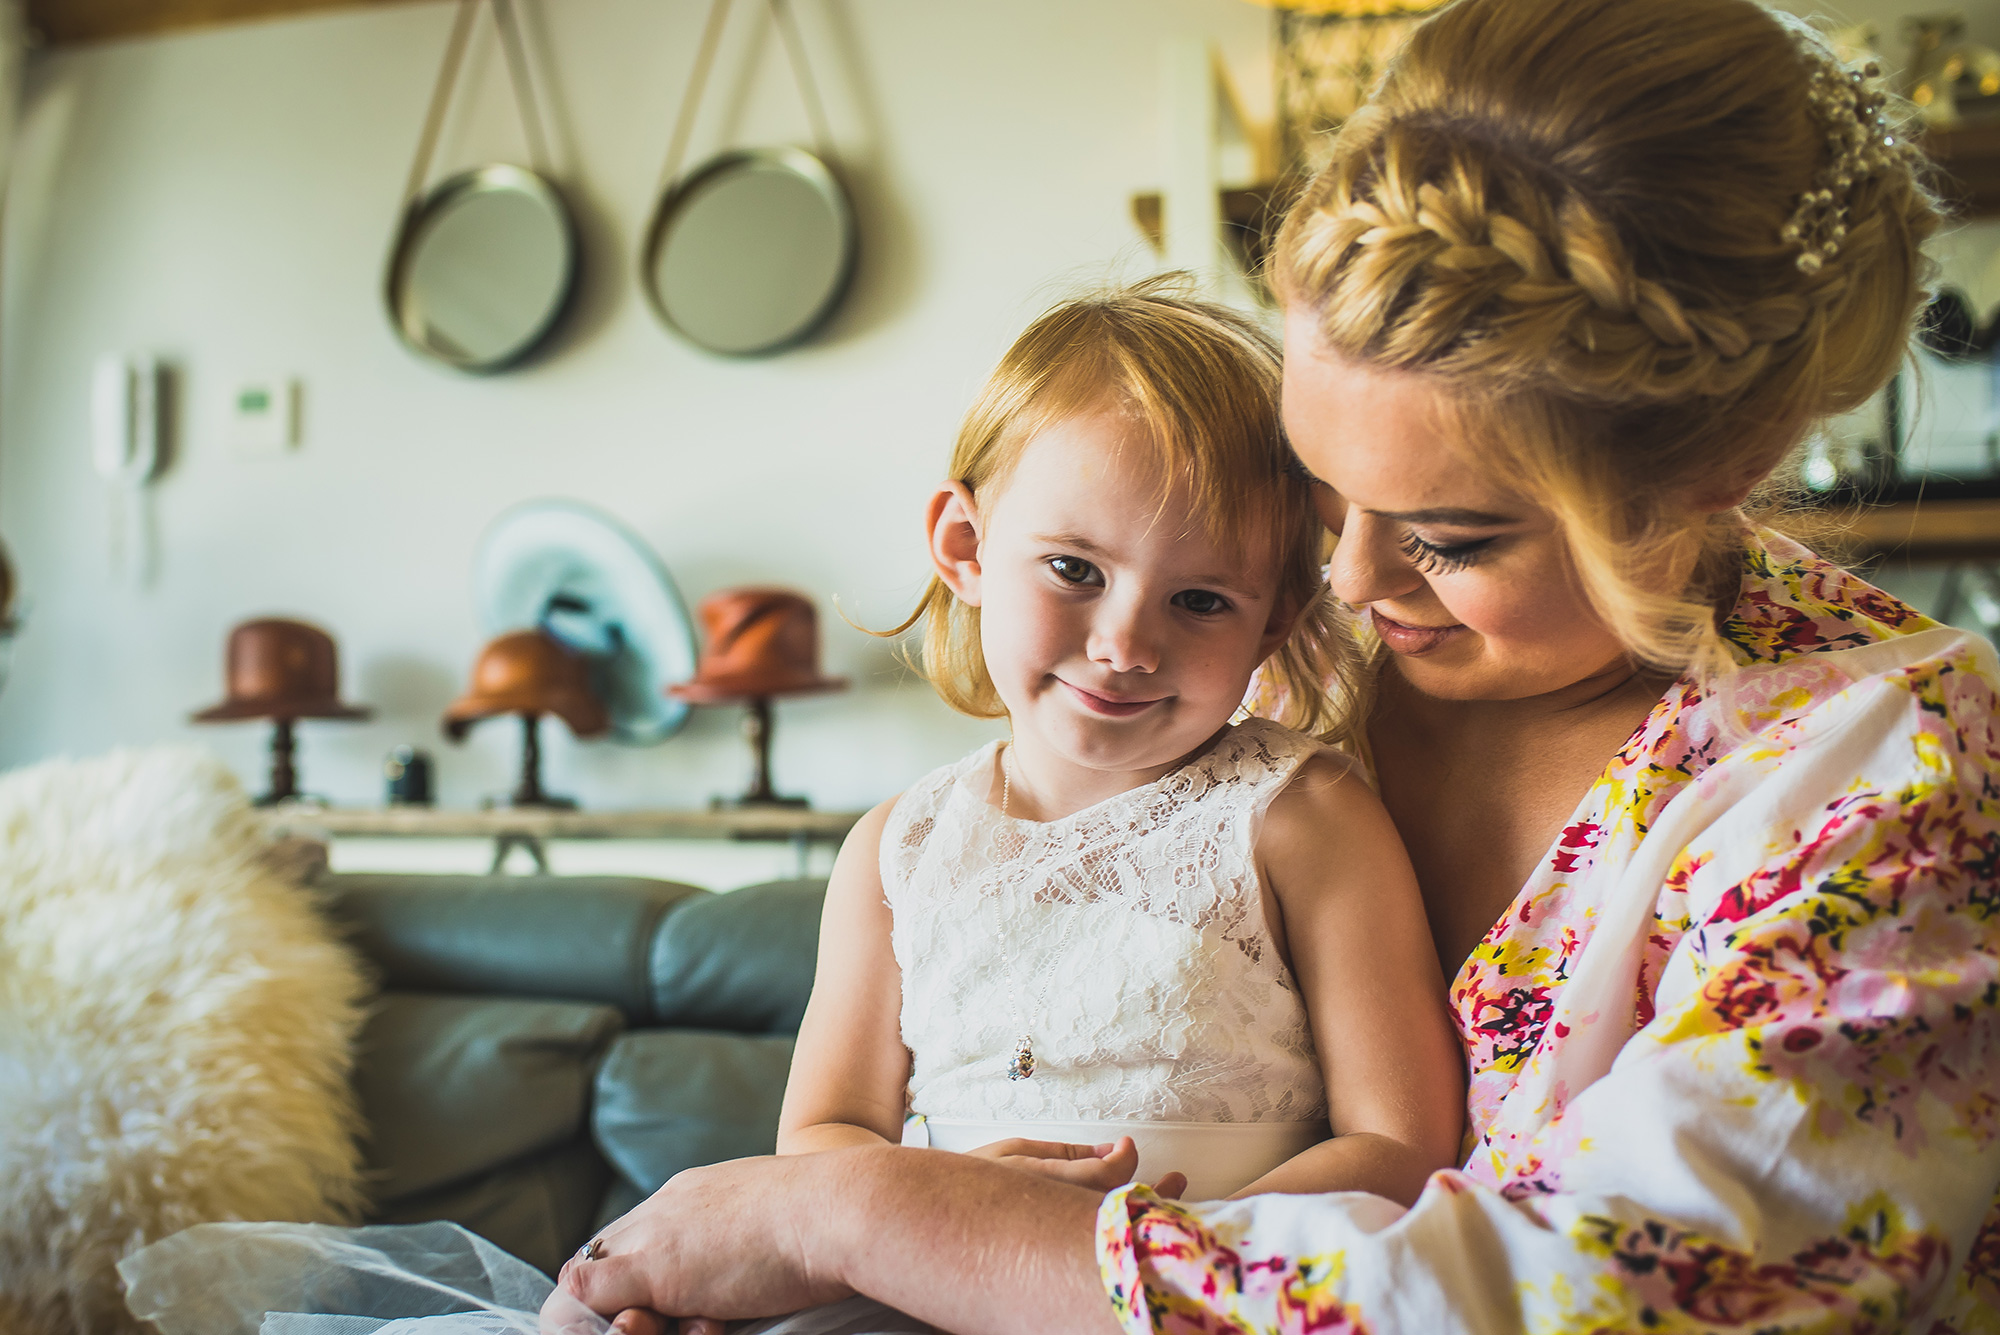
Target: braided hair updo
[1574,214]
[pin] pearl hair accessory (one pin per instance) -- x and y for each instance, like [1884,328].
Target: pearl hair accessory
[1861,143]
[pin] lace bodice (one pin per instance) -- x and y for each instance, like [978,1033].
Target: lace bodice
[1128,939]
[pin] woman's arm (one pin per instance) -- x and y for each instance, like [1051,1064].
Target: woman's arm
[850,1068]
[1344,908]
[965,1244]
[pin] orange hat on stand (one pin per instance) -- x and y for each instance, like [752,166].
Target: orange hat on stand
[760,642]
[281,669]
[529,672]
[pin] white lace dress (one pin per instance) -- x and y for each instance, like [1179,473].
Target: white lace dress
[1125,947]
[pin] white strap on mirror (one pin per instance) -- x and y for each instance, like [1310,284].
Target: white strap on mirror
[518,76]
[704,64]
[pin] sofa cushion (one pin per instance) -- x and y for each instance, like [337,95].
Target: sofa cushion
[455,1086]
[669,1099]
[586,938]
[742,960]
[541,1208]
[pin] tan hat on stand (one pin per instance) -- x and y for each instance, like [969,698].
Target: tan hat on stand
[281,669]
[760,643]
[529,672]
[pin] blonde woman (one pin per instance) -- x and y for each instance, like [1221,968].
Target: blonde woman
[1707,829]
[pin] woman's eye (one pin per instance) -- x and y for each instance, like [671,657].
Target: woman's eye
[1432,558]
[1201,602]
[1072,570]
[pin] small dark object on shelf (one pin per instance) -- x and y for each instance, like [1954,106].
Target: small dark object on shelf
[407,773]
[284,671]
[762,643]
[1949,328]
[530,673]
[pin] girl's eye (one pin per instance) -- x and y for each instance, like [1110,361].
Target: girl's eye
[1432,558]
[1201,602]
[1074,570]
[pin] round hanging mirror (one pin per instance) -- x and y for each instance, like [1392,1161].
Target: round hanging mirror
[751,252]
[484,267]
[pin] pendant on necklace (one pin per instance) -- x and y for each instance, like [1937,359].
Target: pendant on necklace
[1023,1064]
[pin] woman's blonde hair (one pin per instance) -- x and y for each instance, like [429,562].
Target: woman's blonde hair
[1573,214]
[1202,380]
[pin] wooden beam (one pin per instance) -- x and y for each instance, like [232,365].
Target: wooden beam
[64,22]
[1928,530]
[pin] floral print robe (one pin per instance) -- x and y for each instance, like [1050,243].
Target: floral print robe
[1734,1050]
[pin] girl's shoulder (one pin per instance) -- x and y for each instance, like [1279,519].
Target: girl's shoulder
[1262,746]
[1262,769]
[913,813]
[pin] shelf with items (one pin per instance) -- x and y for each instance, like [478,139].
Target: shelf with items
[1924,530]
[528,828]
[550,823]
[1968,162]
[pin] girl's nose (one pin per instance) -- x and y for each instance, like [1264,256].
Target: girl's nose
[1122,639]
[1366,565]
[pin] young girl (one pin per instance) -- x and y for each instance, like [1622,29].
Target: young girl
[1134,918]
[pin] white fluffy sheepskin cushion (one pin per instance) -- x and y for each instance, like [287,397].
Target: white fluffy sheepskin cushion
[176,1030]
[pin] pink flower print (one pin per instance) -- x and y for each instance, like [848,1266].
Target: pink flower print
[1581,836]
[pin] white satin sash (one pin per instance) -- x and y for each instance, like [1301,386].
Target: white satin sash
[1219,1158]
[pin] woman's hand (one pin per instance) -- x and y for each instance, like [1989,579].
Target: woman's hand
[715,1241]
[759,1237]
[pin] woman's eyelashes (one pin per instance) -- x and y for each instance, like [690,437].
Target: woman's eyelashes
[1433,558]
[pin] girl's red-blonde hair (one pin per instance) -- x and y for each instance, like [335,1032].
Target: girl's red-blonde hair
[1203,382]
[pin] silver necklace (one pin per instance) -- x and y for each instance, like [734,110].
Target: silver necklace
[1023,1064]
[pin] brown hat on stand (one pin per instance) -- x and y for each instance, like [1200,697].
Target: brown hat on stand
[529,672]
[761,642]
[281,669]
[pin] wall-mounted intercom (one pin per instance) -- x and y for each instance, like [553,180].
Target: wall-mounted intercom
[127,427]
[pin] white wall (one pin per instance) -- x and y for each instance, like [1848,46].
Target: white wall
[225,199]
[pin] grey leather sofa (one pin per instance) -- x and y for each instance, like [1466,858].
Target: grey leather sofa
[546,1051]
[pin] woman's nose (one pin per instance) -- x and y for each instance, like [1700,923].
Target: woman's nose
[1122,638]
[1366,566]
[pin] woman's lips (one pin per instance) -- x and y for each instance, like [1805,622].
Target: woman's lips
[1410,641]
[1106,705]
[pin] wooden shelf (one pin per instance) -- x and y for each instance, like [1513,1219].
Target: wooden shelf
[1250,218]
[1926,530]
[1968,160]
[65,21]
[766,823]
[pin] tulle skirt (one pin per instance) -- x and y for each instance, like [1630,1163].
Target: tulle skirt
[408,1279]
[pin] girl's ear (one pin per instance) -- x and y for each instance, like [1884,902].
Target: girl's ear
[1278,629]
[953,523]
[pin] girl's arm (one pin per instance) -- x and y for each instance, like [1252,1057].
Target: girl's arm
[850,1068]
[1346,914]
